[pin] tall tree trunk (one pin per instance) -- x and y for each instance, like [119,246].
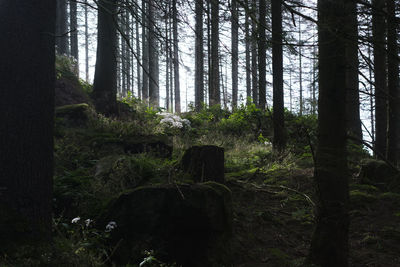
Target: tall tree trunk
[262,52]
[214,90]
[105,77]
[73,10]
[378,35]
[329,245]
[145,51]
[352,93]
[393,148]
[62,28]
[301,104]
[199,57]
[27,117]
[167,57]
[153,58]
[254,37]
[176,57]
[235,53]
[128,52]
[139,54]
[247,46]
[86,41]
[279,141]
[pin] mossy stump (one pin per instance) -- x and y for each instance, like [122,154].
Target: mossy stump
[204,163]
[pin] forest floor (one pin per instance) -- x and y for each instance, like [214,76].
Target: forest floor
[273,222]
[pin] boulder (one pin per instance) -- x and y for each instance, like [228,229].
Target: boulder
[379,174]
[76,115]
[204,163]
[190,225]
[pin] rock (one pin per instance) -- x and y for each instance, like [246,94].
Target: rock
[379,174]
[73,115]
[204,163]
[187,224]
[68,91]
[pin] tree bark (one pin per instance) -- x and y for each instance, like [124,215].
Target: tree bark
[254,37]
[214,90]
[86,41]
[199,57]
[145,50]
[154,95]
[393,148]
[279,141]
[329,245]
[27,116]
[235,52]
[352,93]
[176,57]
[247,45]
[262,52]
[74,33]
[61,28]
[105,77]
[378,33]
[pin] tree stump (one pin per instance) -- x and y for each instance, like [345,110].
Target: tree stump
[204,163]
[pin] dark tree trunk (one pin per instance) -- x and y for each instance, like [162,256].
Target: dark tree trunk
[247,45]
[176,57]
[26,114]
[301,100]
[393,148]
[86,41]
[352,93]
[329,245]
[262,52]
[235,53]
[154,95]
[199,58]
[74,33]
[378,35]
[105,77]
[139,54]
[62,28]
[214,90]
[279,141]
[254,37]
[204,163]
[145,50]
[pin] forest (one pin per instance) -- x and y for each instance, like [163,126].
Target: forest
[204,133]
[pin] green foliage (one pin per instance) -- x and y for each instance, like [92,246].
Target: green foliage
[65,66]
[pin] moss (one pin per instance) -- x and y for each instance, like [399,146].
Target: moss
[364,187]
[361,199]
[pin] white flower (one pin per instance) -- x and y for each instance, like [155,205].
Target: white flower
[186,122]
[111,226]
[88,222]
[75,220]
[177,124]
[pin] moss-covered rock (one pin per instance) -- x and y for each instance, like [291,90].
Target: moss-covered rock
[361,199]
[187,224]
[76,115]
[379,174]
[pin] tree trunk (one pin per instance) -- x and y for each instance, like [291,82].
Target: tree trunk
[254,37]
[329,245]
[279,141]
[352,93]
[86,42]
[199,57]
[139,54]
[378,35]
[301,104]
[247,45]
[235,53]
[154,96]
[27,117]
[176,57]
[262,52]
[62,28]
[74,33]
[214,90]
[393,148]
[145,51]
[105,77]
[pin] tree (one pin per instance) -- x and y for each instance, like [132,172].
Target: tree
[262,53]
[378,35]
[86,42]
[199,56]
[254,37]
[27,117]
[154,93]
[393,148]
[105,77]
[62,28]
[214,90]
[235,52]
[145,55]
[352,81]
[74,33]
[279,141]
[329,245]
[247,45]
[176,57]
